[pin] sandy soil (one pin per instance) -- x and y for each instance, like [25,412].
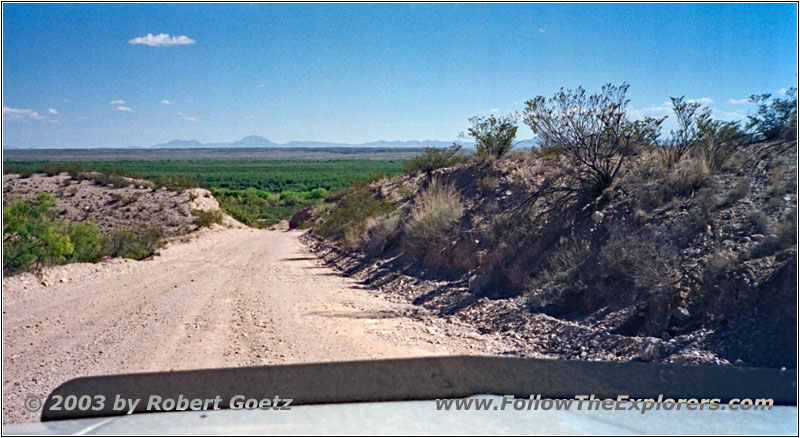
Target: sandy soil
[226,298]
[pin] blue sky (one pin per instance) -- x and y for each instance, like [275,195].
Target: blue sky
[359,73]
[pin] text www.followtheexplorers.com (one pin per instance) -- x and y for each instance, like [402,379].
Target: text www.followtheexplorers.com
[592,403]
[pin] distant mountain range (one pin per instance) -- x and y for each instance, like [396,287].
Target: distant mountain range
[256,141]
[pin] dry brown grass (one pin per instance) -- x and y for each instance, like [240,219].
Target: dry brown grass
[439,208]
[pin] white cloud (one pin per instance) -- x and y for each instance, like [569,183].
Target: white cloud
[165,101]
[494,110]
[161,40]
[783,90]
[21,115]
[651,111]
[52,111]
[187,117]
[53,121]
[702,101]
[738,101]
[123,108]
[727,115]
[117,102]
[541,30]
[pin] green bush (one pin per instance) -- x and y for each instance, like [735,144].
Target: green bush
[348,219]
[133,244]
[30,237]
[775,117]
[292,198]
[719,140]
[494,136]
[433,158]
[207,218]
[86,241]
[260,208]
[318,193]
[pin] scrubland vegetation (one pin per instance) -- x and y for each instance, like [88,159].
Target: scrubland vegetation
[609,222]
[33,238]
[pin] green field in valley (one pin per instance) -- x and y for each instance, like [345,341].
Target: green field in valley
[256,192]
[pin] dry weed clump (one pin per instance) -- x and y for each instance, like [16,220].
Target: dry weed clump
[439,208]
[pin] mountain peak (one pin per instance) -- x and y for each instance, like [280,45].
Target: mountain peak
[254,140]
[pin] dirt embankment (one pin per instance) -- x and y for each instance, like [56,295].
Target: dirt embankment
[687,264]
[113,208]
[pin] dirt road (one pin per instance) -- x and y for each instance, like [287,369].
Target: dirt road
[226,298]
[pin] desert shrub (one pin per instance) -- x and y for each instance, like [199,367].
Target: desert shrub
[563,260]
[379,233]
[718,140]
[783,235]
[348,218]
[487,183]
[547,151]
[111,179]
[86,242]
[716,268]
[757,220]
[133,244]
[439,207]
[593,130]
[30,237]
[642,258]
[123,200]
[780,182]
[776,117]
[687,135]
[740,190]
[207,218]
[494,135]
[176,183]
[683,179]
[433,158]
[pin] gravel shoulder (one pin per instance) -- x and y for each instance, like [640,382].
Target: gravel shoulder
[227,297]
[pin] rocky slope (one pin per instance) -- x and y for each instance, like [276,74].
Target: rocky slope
[684,265]
[114,208]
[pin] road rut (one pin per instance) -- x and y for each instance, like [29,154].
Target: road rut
[226,298]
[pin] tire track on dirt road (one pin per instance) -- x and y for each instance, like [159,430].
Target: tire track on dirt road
[227,297]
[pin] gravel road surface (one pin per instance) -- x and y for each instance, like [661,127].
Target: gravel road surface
[224,298]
